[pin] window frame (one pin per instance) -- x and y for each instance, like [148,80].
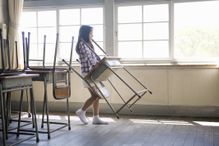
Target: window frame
[143,60]
[111,39]
[171,60]
[57,25]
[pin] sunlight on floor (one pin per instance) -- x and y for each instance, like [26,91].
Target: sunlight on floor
[52,117]
[137,121]
[106,119]
[74,118]
[167,122]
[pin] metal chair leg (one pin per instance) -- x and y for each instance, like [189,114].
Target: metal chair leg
[68,112]
[34,114]
[43,112]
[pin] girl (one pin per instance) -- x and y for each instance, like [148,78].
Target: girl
[88,59]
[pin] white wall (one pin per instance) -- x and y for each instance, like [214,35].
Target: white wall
[177,90]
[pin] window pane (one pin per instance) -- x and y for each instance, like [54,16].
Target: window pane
[92,16]
[98,50]
[129,14]
[156,31]
[44,23]
[156,49]
[196,30]
[130,49]
[69,17]
[67,32]
[34,51]
[50,51]
[156,13]
[28,19]
[50,35]
[47,18]
[64,51]
[33,34]
[98,32]
[129,32]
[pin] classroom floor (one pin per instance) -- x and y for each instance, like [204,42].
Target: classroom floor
[132,131]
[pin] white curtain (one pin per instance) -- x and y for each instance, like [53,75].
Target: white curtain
[15,8]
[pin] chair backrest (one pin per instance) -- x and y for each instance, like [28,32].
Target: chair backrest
[26,53]
[61,81]
[8,55]
[61,78]
[2,52]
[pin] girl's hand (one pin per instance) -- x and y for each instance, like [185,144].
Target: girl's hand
[95,66]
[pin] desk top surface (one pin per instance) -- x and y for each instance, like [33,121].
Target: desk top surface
[44,71]
[20,75]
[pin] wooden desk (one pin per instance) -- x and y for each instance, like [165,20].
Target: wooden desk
[10,83]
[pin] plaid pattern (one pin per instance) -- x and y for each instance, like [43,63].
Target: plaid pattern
[87,58]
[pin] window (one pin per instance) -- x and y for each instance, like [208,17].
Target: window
[143,31]
[69,24]
[38,24]
[196,31]
[64,21]
[162,31]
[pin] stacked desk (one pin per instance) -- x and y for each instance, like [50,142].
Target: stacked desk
[9,83]
[46,76]
[49,74]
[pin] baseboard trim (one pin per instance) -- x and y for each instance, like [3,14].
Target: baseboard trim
[137,110]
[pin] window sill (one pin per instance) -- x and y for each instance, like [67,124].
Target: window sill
[170,63]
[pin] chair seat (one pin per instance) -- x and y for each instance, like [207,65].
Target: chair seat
[61,92]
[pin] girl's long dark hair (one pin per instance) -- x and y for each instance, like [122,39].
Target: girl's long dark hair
[84,32]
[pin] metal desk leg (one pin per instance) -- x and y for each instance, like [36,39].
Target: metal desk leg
[28,105]
[20,110]
[8,113]
[68,112]
[3,117]
[45,108]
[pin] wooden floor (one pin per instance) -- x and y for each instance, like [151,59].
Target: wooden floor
[134,131]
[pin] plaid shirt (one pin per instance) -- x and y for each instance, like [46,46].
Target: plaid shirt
[87,58]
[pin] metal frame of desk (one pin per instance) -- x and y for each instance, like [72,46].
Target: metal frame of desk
[9,83]
[45,76]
